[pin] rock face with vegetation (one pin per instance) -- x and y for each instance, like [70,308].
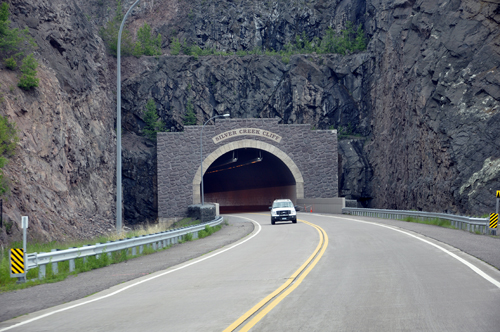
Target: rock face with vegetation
[417,111]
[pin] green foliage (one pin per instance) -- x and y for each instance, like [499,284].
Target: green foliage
[8,139]
[346,131]
[146,44]
[347,41]
[109,34]
[208,231]
[28,78]
[14,43]
[13,40]
[175,46]
[154,123]
[8,142]
[190,116]
[92,262]
[430,221]
[187,237]
[10,63]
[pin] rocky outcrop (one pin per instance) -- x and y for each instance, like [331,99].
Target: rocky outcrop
[422,103]
[425,94]
[355,171]
[435,104]
[62,175]
[139,180]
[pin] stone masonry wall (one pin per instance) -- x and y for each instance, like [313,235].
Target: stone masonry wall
[314,152]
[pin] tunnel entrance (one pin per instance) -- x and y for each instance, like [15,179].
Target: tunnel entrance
[248,180]
[245,164]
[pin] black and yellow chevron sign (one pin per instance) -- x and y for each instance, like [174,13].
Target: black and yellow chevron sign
[498,193]
[17,261]
[493,220]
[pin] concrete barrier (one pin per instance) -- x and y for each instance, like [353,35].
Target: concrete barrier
[322,205]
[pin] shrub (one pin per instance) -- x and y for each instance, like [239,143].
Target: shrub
[10,63]
[28,78]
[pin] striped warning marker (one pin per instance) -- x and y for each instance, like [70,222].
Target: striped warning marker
[493,220]
[17,261]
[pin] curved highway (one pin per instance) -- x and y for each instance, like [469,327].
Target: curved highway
[325,273]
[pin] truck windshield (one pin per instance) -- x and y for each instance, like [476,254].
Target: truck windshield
[282,204]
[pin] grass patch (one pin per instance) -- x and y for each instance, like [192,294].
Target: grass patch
[434,221]
[90,263]
[208,231]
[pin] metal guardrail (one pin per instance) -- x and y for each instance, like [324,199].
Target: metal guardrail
[157,241]
[470,224]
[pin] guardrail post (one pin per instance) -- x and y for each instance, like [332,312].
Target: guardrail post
[85,258]
[141,249]
[97,256]
[154,246]
[108,253]
[134,251]
[41,271]
[72,264]
[55,267]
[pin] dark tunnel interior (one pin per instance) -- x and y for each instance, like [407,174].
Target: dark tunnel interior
[247,180]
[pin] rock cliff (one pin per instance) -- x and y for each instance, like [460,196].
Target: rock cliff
[419,109]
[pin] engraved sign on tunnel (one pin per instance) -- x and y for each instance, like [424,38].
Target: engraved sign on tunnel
[247,163]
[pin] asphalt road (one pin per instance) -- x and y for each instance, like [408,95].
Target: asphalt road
[370,277]
[21,302]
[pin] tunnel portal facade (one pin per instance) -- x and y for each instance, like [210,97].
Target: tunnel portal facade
[247,163]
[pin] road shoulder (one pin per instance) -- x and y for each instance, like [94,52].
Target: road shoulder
[45,296]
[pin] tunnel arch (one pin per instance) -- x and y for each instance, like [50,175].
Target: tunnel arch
[302,160]
[248,143]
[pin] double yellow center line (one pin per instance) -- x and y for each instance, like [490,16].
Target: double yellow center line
[254,315]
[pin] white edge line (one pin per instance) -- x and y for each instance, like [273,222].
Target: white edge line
[139,282]
[463,261]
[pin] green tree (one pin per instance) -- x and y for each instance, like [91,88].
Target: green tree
[14,43]
[347,41]
[11,39]
[28,78]
[109,34]
[175,46]
[8,142]
[154,123]
[146,44]
[190,116]
[360,41]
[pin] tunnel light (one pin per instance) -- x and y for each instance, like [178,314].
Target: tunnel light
[249,162]
[230,161]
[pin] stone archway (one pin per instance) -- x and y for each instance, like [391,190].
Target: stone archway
[248,143]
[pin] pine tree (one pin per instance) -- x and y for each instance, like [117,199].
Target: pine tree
[146,44]
[109,34]
[190,116]
[154,123]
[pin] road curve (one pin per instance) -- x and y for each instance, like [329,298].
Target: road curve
[369,278]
